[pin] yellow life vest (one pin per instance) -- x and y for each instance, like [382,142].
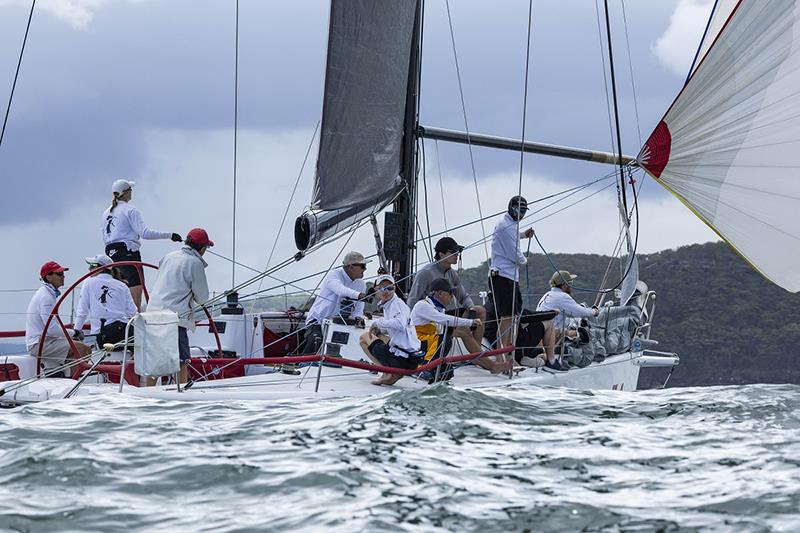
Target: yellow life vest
[428,335]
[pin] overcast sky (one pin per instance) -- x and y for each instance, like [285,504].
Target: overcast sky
[143,89]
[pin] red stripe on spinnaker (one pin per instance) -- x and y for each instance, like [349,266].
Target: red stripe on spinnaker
[655,154]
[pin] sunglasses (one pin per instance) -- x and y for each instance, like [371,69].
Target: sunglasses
[59,274]
[362,266]
[388,288]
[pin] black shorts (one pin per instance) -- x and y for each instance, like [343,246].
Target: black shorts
[183,345]
[312,339]
[506,295]
[380,351]
[117,251]
[113,333]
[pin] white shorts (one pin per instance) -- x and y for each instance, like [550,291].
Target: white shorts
[54,353]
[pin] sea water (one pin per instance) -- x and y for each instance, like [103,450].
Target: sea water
[507,459]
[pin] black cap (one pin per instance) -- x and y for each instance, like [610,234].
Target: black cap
[447,244]
[440,284]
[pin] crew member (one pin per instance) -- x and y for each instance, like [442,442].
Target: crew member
[106,302]
[559,298]
[123,229]
[180,284]
[341,293]
[507,257]
[431,322]
[391,340]
[447,255]
[55,346]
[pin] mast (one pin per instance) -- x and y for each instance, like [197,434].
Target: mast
[405,204]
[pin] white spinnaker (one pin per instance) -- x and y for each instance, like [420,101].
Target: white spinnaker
[729,147]
[721,13]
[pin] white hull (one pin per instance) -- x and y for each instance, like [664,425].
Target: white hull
[619,372]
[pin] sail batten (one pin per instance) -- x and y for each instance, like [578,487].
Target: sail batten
[363,115]
[729,146]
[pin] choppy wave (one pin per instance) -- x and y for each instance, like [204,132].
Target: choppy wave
[722,458]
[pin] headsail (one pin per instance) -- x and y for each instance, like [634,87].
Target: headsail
[729,146]
[360,151]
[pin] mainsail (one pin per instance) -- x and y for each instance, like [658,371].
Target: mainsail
[729,146]
[361,140]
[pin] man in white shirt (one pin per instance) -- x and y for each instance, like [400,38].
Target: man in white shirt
[181,286]
[559,299]
[55,346]
[392,340]
[341,293]
[507,257]
[106,302]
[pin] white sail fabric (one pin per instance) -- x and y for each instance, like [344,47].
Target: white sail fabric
[719,16]
[729,147]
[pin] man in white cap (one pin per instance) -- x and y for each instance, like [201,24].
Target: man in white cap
[181,286]
[341,293]
[123,229]
[106,302]
[559,298]
[392,340]
[54,345]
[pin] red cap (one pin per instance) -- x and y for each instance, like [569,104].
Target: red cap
[198,237]
[50,267]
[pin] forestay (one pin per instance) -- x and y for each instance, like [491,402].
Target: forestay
[366,80]
[729,146]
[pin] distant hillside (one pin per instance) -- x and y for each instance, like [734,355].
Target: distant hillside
[727,323]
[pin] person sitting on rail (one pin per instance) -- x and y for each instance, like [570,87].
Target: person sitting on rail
[446,257]
[181,282]
[106,302]
[341,293]
[391,340]
[559,298]
[123,229]
[431,322]
[55,346]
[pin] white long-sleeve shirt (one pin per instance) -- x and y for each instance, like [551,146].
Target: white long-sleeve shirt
[104,298]
[125,224]
[39,309]
[427,312]
[396,322]
[507,254]
[336,285]
[558,300]
[181,283]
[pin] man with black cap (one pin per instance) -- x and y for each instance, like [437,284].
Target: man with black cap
[447,254]
[507,257]
[55,346]
[181,286]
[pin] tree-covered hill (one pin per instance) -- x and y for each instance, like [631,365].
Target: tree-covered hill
[728,324]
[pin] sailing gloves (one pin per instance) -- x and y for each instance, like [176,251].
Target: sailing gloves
[176,238]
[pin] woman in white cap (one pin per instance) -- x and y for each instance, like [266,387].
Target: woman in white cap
[123,229]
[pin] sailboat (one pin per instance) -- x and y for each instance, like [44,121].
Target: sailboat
[726,148]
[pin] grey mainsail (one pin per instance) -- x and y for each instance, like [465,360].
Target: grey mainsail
[363,114]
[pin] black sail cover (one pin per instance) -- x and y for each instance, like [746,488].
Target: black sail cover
[360,148]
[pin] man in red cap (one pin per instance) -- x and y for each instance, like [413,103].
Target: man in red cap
[180,285]
[55,346]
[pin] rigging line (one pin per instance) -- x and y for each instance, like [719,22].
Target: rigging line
[16,74]
[425,189]
[441,186]
[466,127]
[605,76]
[235,141]
[630,70]
[616,110]
[521,164]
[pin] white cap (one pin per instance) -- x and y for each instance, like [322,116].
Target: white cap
[355,258]
[120,186]
[384,277]
[99,260]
